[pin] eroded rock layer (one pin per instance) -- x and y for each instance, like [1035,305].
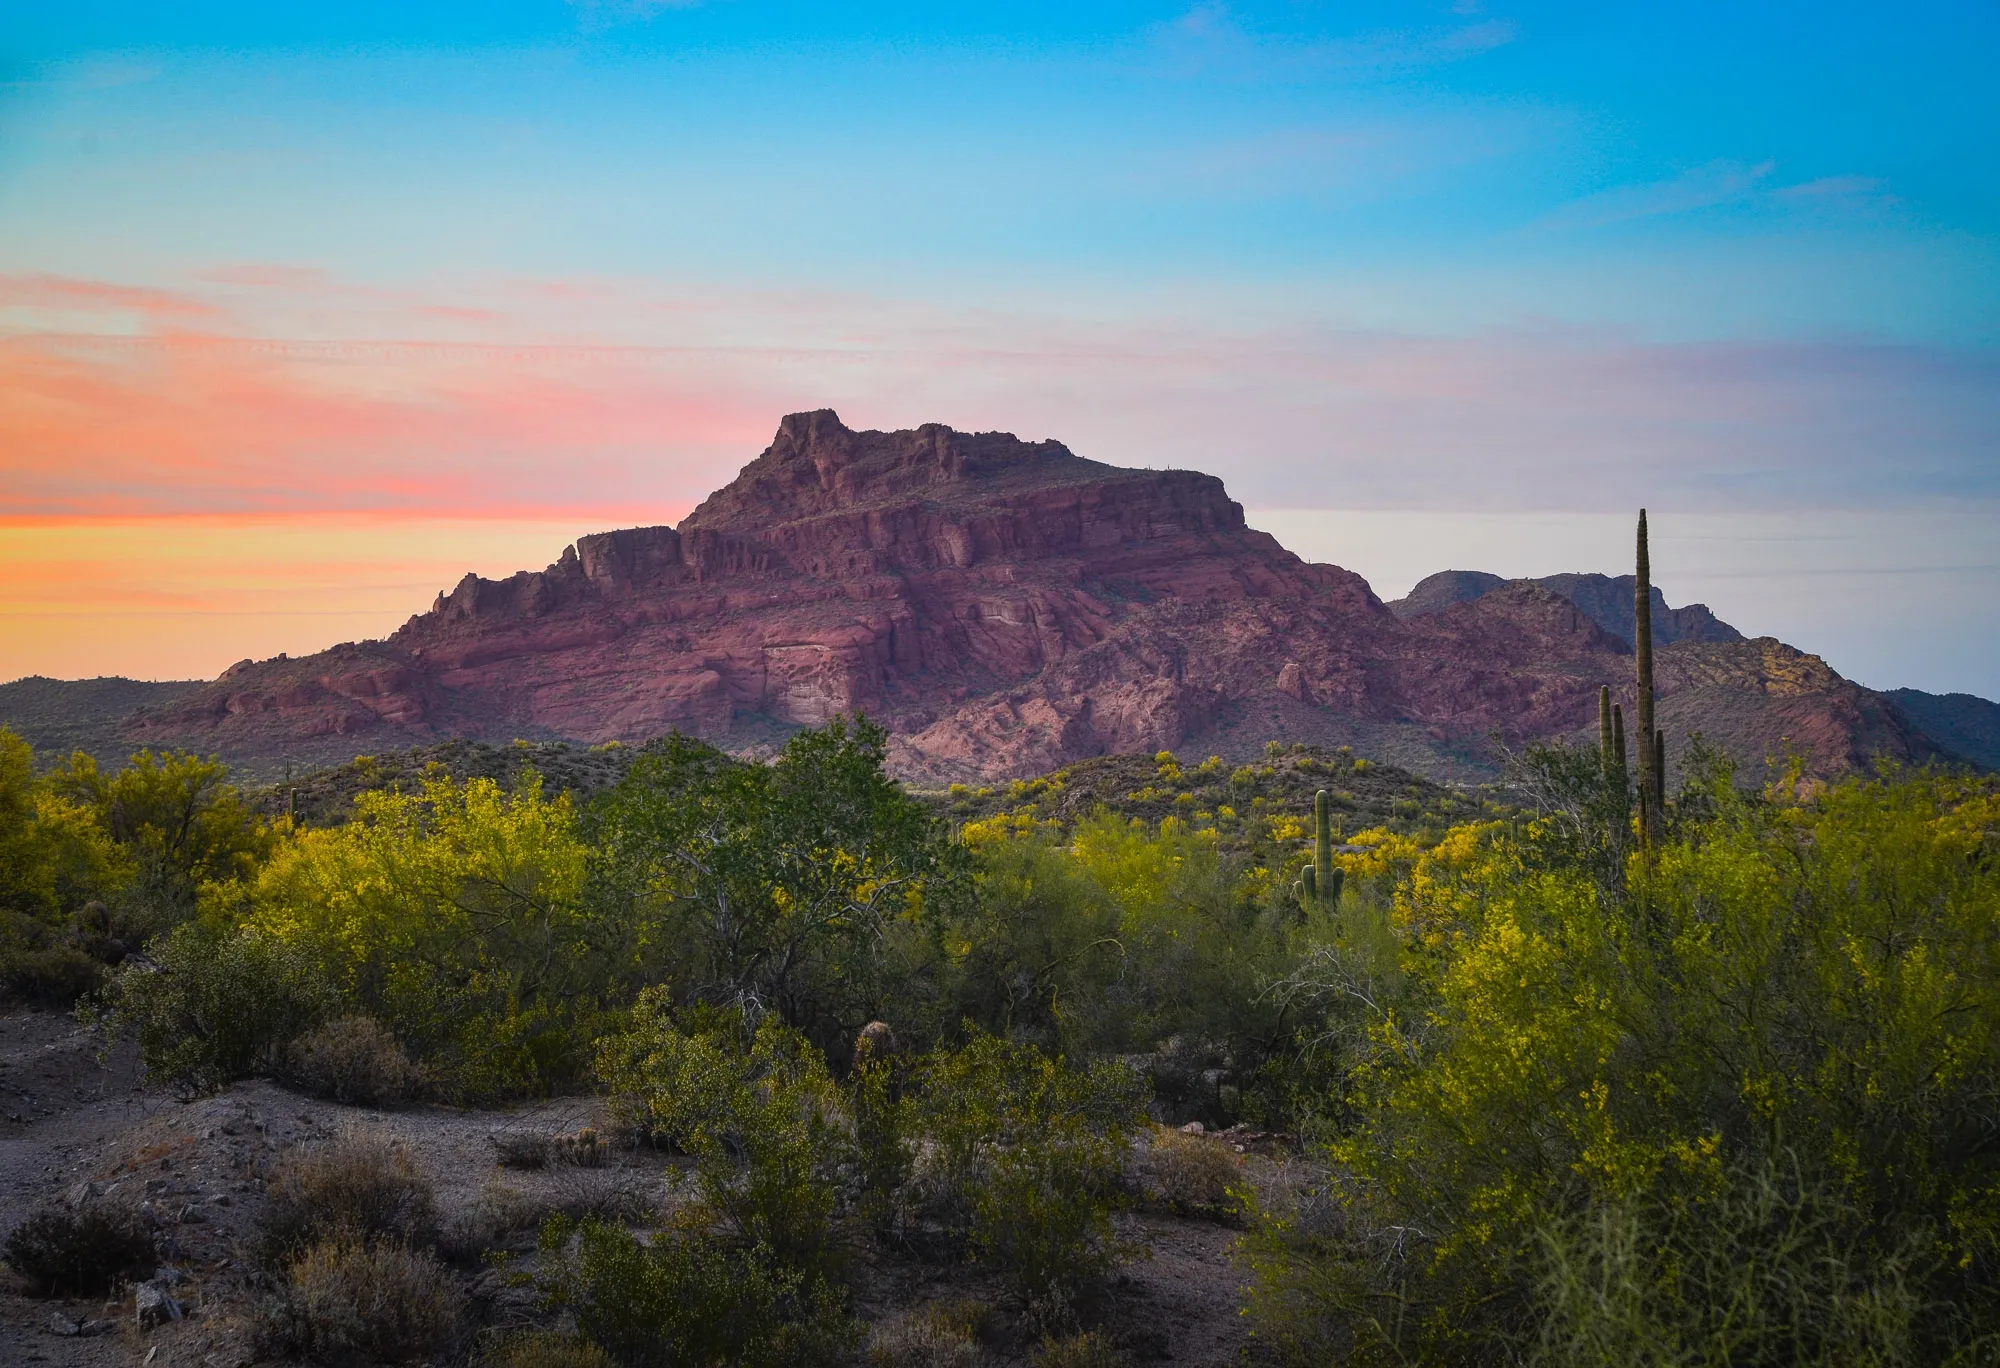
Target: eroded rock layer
[1004,607]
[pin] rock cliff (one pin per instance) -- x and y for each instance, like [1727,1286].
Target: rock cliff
[1003,607]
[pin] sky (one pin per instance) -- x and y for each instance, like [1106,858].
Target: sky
[305,311]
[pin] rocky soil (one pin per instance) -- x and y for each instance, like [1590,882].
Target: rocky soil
[75,1128]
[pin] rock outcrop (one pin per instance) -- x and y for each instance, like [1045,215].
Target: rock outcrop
[1004,607]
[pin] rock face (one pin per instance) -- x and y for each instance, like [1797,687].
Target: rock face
[1003,607]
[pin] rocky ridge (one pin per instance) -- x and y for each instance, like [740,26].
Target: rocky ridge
[1004,608]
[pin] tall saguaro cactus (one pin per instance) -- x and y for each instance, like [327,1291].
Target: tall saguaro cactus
[1651,742]
[1604,730]
[1319,882]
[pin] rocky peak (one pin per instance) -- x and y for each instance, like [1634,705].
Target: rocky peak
[817,465]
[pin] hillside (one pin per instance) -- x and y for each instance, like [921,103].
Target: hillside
[57,716]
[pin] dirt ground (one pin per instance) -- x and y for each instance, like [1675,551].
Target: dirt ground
[196,1169]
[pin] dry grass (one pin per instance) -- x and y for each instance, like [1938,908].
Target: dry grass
[354,1059]
[547,1349]
[346,1299]
[1193,1173]
[493,1220]
[1091,1350]
[942,1335]
[359,1184]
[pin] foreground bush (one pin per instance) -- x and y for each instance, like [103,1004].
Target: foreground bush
[360,1186]
[1600,1071]
[758,1110]
[40,969]
[353,1059]
[1019,1156]
[218,1004]
[690,1298]
[1194,1173]
[347,1299]
[89,1248]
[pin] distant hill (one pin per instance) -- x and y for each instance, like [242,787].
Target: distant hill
[57,716]
[1606,600]
[1964,724]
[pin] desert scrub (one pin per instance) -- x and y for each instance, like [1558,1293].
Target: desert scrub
[688,1297]
[91,1247]
[353,1059]
[217,1004]
[39,968]
[360,1184]
[941,1335]
[1799,987]
[758,1110]
[348,1299]
[547,1349]
[1092,1349]
[1020,1157]
[1194,1173]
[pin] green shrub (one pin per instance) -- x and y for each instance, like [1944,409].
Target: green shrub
[39,969]
[1591,1067]
[353,1059]
[346,1299]
[1020,1156]
[359,1185]
[456,916]
[804,885]
[177,825]
[218,1005]
[690,1298]
[87,1248]
[757,1109]
[1769,1270]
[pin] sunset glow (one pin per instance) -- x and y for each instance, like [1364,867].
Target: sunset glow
[301,319]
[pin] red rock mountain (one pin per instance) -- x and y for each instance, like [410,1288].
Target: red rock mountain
[1003,607]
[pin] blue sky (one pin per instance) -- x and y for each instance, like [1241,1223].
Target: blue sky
[1460,258]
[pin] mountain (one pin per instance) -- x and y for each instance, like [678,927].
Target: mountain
[1004,608]
[1964,724]
[1606,599]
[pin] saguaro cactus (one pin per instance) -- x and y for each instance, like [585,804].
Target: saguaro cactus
[1651,744]
[1604,730]
[1319,882]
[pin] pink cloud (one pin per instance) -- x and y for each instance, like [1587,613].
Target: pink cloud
[606,395]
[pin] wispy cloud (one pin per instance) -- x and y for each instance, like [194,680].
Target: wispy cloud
[1209,38]
[603,393]
[1703,187]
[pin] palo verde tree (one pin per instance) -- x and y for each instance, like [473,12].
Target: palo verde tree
[179,822]
[790,888]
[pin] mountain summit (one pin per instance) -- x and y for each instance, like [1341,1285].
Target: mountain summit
[1003,607]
